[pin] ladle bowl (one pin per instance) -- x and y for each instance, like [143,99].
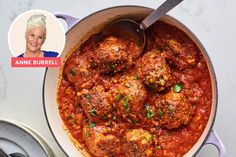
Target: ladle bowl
[134,30]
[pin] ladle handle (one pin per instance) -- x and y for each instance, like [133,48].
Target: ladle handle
[159,12]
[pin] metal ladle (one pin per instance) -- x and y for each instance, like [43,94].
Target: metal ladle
[129,28]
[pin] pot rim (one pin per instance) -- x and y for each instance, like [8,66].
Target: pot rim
[93,13]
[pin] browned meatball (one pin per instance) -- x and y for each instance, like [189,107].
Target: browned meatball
[129,96]
[192,89]
[139,141]
[154,71]
[100,141]
[96,102]
[174,110]
[114,54]
[78,71]
[182,55]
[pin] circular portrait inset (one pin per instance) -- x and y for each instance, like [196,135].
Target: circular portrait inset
[36,33]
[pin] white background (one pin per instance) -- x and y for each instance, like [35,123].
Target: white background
[55,36]
[212,21]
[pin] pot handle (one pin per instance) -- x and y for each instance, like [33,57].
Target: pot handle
[70,20]
[214,139]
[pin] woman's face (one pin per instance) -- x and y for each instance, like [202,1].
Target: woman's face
[35,38]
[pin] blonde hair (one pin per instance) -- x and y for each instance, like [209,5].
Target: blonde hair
[38,20]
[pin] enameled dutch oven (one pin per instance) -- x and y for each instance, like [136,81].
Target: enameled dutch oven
[79,31]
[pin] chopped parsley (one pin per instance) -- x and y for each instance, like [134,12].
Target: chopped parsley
[69,117]
[159,68]
[159,147]
[87,133]
[73,121]
[120,97]
[161,113]
[92,112]
[113,66]
[92,124]
[177,87]
[72,72]
[87,96]
[150,113]
[125,103]
[150,138]
[133,121]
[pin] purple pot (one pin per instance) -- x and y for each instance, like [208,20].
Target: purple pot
[78,32]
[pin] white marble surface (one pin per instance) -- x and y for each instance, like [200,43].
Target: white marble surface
[212,21]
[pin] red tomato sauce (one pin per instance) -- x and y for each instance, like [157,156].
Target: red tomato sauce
[116,101]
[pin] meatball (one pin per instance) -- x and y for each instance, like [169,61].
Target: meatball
[139,141]
[78,71]
[129,96]
[154,71]
[174,110]
[192,88]
[100,141]
[182,55]
[114,55]
[96,102]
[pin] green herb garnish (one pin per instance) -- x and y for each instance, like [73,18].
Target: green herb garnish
[72,72]
[87,96]
[92,124]
[161,113]
[150,113]
[150,138]
[113,66]
[133,121]
[159,68]
[119,97]
[69,117]
[125,103]
[159,147]
[87,133]
[73,121]
[92,112]
[177,87]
